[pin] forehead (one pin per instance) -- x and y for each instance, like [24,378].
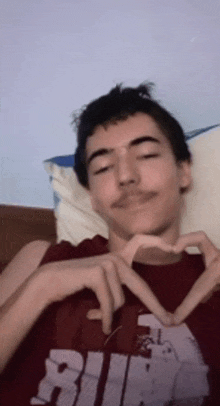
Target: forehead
[120,134]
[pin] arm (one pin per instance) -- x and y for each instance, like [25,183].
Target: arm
[21,267]
[55,281]
[208,282]
[18,315]
[48,284]
[17,312]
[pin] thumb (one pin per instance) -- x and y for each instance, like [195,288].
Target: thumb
[143,241]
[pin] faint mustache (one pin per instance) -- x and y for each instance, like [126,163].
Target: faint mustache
[128,198]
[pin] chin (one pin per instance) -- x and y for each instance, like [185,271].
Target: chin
[150,227]
[127,231]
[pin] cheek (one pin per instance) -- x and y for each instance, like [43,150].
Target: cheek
[102,187]
[161,177]
[157,173]
[102,194]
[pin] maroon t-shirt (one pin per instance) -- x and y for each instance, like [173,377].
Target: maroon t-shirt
[67,360]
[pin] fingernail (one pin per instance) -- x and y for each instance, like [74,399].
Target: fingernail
[94,314]
[168,320]
[106,331]
[176,320]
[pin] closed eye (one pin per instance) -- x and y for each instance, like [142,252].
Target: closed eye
[102,170]
[147,156]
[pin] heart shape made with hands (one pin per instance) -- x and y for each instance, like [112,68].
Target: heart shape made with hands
[205,285]
[202,289]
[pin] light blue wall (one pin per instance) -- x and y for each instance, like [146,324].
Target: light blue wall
[59,54]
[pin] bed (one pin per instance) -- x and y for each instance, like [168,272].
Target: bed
[20,225]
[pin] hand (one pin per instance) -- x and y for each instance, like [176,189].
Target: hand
[105,274]
[203,288]
[208,282]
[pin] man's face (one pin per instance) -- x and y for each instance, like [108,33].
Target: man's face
[134,180]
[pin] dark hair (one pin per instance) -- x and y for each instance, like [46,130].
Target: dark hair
[117,105]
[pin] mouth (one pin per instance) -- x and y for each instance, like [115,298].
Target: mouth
[133,200]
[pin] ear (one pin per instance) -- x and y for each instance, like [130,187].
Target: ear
[185,175]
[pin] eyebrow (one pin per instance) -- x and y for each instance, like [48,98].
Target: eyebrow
[132,143]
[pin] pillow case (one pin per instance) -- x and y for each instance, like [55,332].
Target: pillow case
[202,211]
[76,220]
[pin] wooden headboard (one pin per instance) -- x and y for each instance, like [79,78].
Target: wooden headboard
[20,225]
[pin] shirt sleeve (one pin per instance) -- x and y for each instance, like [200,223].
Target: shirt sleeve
[58,252]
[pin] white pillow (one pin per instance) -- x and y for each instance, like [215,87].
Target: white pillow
[203,200]
[76,220]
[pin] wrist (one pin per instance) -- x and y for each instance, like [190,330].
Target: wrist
[47,282]
[42,287]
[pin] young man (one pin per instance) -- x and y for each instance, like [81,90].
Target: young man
[99,324]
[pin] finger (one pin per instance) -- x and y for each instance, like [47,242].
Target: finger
[165,317]
[143,241]
[204,285]
[200,240]
[100,286]
[142,290]
[114,283]
[94,314]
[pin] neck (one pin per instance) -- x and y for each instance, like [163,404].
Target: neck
[152,256]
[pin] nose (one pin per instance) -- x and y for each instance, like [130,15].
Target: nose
[127,172]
